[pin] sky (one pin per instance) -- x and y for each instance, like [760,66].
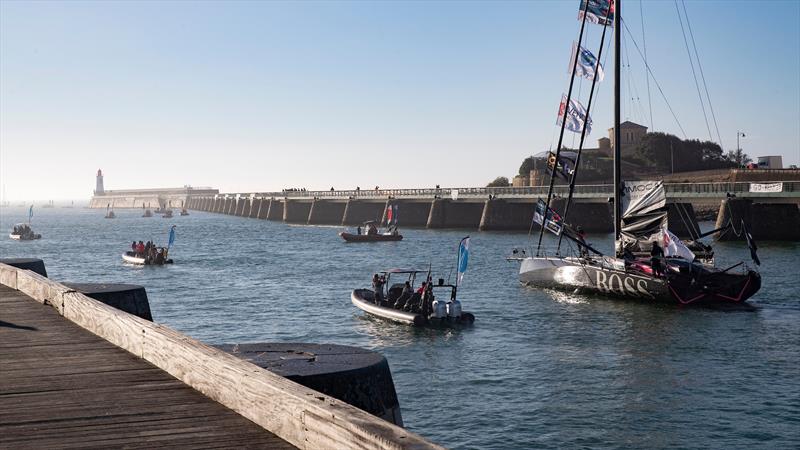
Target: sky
[260,96]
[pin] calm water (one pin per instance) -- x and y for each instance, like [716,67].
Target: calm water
[538,369]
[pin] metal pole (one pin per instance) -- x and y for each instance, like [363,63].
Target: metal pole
[561,135]
[617,131]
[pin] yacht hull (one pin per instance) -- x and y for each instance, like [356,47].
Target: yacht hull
[571,274]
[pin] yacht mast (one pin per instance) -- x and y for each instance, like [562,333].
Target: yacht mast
[617,131]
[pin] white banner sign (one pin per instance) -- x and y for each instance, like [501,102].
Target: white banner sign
[766,187]
[454,194]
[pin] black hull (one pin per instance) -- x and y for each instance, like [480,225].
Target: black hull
[678,287]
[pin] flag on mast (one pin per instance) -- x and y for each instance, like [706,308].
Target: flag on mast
[576,116]
[463,259]
[30,214]
[597,12]
[586,63]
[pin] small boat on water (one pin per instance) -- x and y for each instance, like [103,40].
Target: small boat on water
[184,212]
[372,234]
[417,306]
[23,232]
[431,304]
[167,214]
[109,212]
[150,255]
[139,259]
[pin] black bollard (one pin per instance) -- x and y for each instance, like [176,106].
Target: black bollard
[130,298]
[32,264]
[353,375]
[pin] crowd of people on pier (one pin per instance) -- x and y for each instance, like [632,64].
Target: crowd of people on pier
[149,251]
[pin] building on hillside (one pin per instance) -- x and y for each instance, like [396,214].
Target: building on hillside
[631,134]
[770,162]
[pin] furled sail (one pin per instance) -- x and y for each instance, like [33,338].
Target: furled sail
[644,213]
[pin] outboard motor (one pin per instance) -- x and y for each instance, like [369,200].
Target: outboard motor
[439,309]
[454,308]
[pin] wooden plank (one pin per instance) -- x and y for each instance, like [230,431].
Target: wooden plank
[8,275]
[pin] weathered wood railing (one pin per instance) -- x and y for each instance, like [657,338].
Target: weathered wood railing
[301,416]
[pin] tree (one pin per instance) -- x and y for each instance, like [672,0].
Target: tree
[667,153]
[499,182]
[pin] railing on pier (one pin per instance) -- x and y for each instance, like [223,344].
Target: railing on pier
[710,190]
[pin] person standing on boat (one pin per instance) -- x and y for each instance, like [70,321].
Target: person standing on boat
[140,249]
[581,237]
[656,259]
[377,287]
[133,247]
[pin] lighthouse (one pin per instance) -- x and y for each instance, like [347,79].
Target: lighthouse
[99,187]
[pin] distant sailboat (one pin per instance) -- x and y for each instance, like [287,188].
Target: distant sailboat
[110,212]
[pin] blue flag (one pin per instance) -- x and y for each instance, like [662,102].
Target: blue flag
[463,259]
[171,236]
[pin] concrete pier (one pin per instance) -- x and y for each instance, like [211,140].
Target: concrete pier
[276,207]
[229,205]
[766,221]
[326,212]
[412,213]
[358,211]
[246,208]
[255,206]
[593,217]
[682,220]
[506,215]
[240,204]
[296,211]
[264,209]
[446,213]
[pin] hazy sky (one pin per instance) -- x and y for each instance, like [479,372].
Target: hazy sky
[256,96]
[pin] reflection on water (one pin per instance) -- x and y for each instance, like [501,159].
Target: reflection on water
[537,369]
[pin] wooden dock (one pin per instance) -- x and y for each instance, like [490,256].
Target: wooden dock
[62,386]
[75,372]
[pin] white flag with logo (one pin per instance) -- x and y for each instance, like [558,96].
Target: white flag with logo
[576,115]
[586,64]
[675,247]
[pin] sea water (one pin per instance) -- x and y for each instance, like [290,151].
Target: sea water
[538,369]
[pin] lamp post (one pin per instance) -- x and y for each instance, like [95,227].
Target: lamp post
[739,149]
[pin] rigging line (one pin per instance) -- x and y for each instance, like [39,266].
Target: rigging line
[647,75]
[694,74]
[702,75]
[661,91]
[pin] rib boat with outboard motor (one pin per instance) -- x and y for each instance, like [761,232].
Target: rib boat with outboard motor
[417,305]
[672,273]
[23,231]
[395,296]
[150,255]
[372,234]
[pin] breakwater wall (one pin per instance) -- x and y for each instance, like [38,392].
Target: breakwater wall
[302,416]
[148,198]
[593,214]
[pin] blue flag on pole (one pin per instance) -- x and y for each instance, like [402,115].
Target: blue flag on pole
[171,236]
[463,259]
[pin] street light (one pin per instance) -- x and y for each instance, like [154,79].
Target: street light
[739,149]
